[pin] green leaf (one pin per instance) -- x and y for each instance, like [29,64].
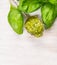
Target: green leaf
[48,14]
[43,1]
[29,6]
[54,2]
[12,7]
[15,19]
[56,10]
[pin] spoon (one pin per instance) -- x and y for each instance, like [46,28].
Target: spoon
[14,2]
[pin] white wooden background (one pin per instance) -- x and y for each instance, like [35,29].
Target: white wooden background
[25,49]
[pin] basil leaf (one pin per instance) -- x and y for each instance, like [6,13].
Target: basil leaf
[43,1]
[56,10]
[29,5]
[15,19]
[54,2]
[48,14]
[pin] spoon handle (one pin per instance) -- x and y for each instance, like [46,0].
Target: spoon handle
[14,2]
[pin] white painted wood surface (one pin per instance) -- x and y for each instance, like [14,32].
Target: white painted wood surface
[25,49]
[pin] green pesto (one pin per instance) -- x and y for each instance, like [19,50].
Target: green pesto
[34,26]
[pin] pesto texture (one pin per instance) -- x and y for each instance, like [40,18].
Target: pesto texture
[34,26]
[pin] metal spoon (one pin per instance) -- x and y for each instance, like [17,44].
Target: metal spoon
[14,2]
